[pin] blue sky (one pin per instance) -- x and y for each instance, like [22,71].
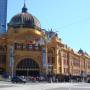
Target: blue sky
[69,18]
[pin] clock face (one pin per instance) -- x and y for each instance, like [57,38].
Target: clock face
[25,37]
[30,39]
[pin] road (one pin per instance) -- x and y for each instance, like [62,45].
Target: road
[44,86]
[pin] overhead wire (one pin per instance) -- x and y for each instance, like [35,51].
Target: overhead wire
[76,22]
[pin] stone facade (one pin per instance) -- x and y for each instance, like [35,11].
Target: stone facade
[21,49]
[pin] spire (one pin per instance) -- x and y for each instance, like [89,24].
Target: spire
[24,9]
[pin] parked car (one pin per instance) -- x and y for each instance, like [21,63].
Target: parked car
[18,80]
[41,78]
[88,80]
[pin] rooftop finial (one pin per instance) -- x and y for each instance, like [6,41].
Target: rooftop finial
[24,9]
[24,1]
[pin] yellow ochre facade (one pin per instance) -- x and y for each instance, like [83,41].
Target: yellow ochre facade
[28,50]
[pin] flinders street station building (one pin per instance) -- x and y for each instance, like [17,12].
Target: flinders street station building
[28,50]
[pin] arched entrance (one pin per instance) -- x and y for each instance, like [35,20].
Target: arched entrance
[2,70]
[27,67]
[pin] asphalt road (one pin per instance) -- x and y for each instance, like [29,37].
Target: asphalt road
[44,86]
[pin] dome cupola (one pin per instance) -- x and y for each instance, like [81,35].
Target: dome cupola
[25,19]
[24,9]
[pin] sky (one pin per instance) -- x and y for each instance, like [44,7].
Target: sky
[69,18]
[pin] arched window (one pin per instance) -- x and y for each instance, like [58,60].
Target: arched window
[27,64]
[27,67]
[3,54]
[51,57]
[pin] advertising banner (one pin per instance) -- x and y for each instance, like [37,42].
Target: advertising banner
[11,56]
[44,56]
